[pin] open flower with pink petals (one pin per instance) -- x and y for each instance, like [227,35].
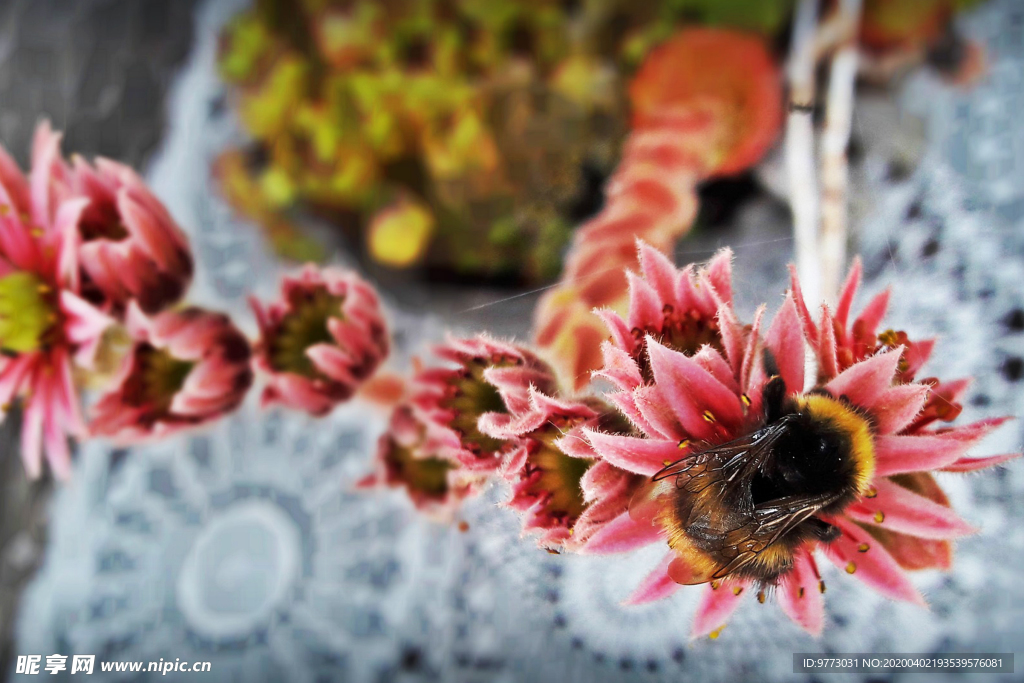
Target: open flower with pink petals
[435,485]
[562,488]
[45,324]
[185,368]
[697,403]
[129,248]
[451,398]
[684,309]
[320,342]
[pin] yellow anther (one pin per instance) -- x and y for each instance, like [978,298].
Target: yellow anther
[709,416]
[863,548]
[879,517]
[851,567]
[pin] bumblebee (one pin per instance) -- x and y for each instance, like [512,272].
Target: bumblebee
[743,508]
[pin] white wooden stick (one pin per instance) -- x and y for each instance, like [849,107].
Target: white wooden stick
[834,162]
[800,157]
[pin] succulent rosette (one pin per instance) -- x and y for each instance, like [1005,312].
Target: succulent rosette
[46,326]
[564,491]
[321,341]
[435,485]
[685,403]
[450,399]
[185,368]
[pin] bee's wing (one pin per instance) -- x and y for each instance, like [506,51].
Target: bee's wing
[704,491]
[770,521]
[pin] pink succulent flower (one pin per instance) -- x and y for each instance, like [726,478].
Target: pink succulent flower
[684,309]
[450,399]
[185,368]
[435,485]
[45,324]
[128,245]
[896,520]
[559,484]
[323,339]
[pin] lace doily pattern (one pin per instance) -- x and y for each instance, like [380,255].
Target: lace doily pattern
[246,546]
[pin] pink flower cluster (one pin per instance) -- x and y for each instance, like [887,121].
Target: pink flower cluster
[685,377]
[92,267]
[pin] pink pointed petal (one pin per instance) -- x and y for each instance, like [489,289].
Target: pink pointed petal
[916,355]
[658,270]
[719,274]
[32,436]
[786,343]
[711,360]
[333,362]
[657,412]
[800,593]
[696,397]
[865,382]
[645,308]
[603,480]
[69,213]
[620,535]
[656,585]
[58,454]
[751,356]
[619,368]
[848,292]
[640,456]
[872,315]
[875,567]
[810,329]
[732,340]
[617,327]
[896,454]
[623,402]
[85,322]
[45,155]
[975,464]
[11,378]
[902,510]
[827,349]
[898,407]
[717,605]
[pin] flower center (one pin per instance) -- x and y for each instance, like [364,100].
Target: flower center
[155,378]
[426,475]
[102,220]
[685,332]
[560,476]
[28,312]
[305,325]
[471,397]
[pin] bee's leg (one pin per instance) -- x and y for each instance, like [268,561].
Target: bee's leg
[821,531]
[773,397]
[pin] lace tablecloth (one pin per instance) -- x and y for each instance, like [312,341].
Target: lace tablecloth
[247,547]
